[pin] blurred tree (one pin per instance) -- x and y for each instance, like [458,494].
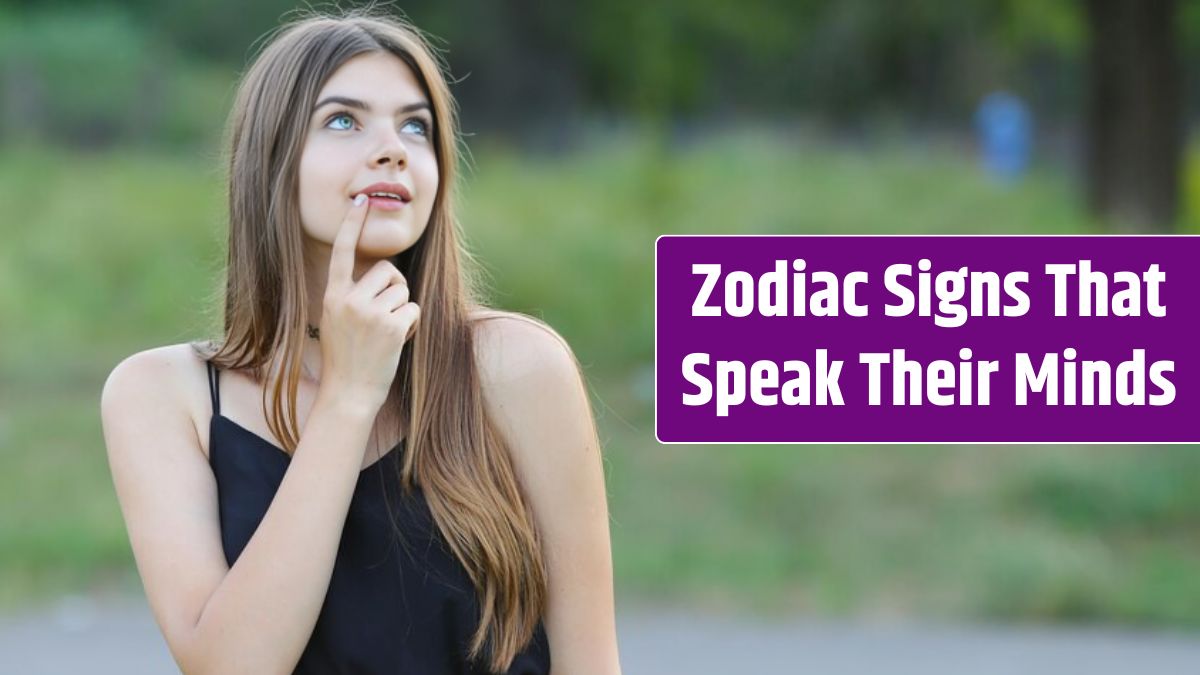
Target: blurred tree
[85,77]
[1134,112]
[545,71]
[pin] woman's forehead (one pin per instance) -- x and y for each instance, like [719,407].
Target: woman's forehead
[377,78]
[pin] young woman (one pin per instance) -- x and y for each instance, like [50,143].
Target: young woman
[368,471]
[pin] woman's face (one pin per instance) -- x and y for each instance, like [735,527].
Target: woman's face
[372,124]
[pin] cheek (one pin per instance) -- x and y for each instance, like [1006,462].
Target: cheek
[318,196]
[429,180]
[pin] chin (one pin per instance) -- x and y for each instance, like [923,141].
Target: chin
[380,252]
[383,247]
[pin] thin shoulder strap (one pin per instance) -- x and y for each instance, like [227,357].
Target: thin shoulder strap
[214,388]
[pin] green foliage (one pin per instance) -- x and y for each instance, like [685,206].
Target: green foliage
[138,69]
[1025,25]
[1190,198]
[84,74]
[91,77]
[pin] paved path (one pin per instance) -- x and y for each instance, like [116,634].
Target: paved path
[114,636]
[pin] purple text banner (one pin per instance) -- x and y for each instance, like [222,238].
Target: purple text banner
[927,339]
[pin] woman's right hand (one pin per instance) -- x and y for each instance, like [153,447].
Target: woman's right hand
[364,323]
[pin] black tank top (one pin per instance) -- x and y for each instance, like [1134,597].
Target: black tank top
[393,605]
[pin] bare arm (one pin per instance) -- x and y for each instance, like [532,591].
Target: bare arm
[263,612]
[534,391]
[257,616]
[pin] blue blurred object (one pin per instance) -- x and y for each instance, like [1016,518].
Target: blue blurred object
[1005,128]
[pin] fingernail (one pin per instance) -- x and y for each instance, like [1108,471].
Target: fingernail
[360,199]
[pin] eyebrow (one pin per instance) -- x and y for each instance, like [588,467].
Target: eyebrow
[362,105]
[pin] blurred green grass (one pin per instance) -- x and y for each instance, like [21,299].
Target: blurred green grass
[130,257]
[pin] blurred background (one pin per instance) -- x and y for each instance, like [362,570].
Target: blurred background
[594,127]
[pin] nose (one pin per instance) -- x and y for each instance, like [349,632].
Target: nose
[390,150]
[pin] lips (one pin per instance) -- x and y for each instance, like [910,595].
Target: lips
[394,192]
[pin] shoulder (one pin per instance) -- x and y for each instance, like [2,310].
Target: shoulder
[512,349]
[169,371]
[168,381]
[534,390]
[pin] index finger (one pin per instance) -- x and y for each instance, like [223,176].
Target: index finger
[345,243]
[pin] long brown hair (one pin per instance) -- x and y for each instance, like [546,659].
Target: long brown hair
[454,451]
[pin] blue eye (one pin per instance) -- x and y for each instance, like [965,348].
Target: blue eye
[414,125]
[341,116]
[423,129]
